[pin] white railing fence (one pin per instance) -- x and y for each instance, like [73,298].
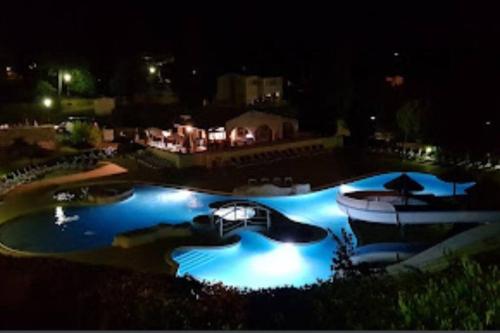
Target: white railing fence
[240,214]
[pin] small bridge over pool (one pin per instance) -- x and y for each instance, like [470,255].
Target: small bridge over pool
[230,217]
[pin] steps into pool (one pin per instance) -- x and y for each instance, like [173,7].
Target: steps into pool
[193,260]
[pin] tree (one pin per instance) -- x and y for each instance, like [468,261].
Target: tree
[83,134]
[82,82]
[409,119]
[44,88]
[342,265]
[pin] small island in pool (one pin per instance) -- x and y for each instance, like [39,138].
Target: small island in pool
[281,229]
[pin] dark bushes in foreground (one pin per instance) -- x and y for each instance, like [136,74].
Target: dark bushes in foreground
[43,293]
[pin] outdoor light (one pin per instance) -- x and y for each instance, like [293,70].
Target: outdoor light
[284,259]
[175,196]
[8,69]
[61,217]
[152,69]
[194,72]
[47,102]
[67,77]
[373,118]
[428,150]
[344,188]
[487,123]
[396,54]
[189,129]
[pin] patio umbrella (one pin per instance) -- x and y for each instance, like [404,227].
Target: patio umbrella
[403,184]
[456,175]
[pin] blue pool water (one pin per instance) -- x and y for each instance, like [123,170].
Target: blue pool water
[254,262]
[97,225]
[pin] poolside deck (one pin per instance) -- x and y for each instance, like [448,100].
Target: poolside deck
[106,169]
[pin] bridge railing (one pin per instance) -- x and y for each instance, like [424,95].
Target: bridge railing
[230,220]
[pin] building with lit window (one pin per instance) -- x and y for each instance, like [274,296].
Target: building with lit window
[236,90]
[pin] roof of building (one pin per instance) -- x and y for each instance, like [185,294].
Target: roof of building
[218,116]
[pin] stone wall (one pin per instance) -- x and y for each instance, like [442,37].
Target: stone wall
[104,106]
[43,135]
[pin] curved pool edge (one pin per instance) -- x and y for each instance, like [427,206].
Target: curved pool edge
[53,190]
[50,204]
[313,218]
[174,265]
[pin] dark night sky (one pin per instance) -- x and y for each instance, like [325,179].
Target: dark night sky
[198,30]
[453,46]
[220,36]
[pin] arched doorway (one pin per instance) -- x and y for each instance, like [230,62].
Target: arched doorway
[288,130]
[263,133]
[240,136]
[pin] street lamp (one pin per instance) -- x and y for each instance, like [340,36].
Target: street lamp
[63,77]
[152,69]
[47,102]
[373,118]
[67,77]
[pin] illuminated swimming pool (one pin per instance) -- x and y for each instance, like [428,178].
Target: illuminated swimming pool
[254,262]
[57,230]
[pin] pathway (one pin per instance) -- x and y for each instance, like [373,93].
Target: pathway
[479,239]
[107,169]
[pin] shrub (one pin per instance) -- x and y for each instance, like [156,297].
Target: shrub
[85,134]
[342,265]
[465,297]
